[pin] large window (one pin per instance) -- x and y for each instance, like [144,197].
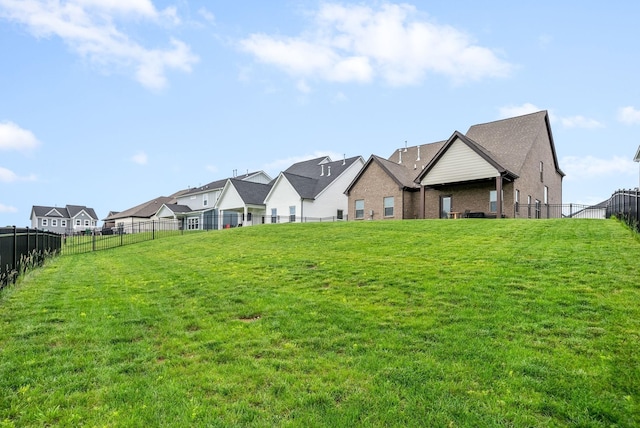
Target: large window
[292,213]
[360,208]
[517,207]
[546,195]
[529,206]
[537,208]
[274,215]
[193,223]
[493,201]
[340,215]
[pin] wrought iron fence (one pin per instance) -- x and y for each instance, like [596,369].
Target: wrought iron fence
[122,234]
[625,205]
[24,248]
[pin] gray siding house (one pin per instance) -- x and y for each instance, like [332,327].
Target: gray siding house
[67,220]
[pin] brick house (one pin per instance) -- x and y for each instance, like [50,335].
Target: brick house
[505,168]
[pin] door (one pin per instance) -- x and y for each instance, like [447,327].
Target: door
[445,206]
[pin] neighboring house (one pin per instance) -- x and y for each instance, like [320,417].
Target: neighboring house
[135,219]
[592,211]
[67,220]
[312,190]
[506,168]
[195,207]
[241,203]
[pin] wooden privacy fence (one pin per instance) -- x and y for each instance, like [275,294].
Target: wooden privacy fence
[24,248]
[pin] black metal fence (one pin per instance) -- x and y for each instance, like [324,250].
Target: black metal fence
[625,205]
[122,234]
[24,248]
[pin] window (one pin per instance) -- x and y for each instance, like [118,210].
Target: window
[537,208]
[517,205]
[292,213]
[86,223]
[340,215]
[541,171]
[45,222]
[205,199]
[193,223]
[493,201]
[546,195]
[529,206]
[249,216]
[360,208]
[388,206]
[63,223]
[274,215]
[78,222]
[54,222]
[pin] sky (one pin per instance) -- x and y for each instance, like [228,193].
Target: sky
[111,103]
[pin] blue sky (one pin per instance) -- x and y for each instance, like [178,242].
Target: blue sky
[110,103]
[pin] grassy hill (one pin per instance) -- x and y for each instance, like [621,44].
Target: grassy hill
[462,323]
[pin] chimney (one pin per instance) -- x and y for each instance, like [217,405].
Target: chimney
[400,155]
[247,172]
[322,173]
[405,146]
[328,170]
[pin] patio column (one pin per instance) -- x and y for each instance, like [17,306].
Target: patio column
[245,216]
[499,196]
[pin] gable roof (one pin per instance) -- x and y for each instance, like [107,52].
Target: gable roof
[250,192]
[145,210]
[510,140]
[69,211]
[318,175]
[475,147]
[219,184]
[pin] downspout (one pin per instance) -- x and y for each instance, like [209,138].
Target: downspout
[301,210]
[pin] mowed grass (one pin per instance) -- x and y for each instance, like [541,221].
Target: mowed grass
[467,323]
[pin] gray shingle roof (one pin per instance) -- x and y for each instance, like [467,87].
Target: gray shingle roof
[144,210]
[509,141]
[311,177]
[251,193]
[68,211]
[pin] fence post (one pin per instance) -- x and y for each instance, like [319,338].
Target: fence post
[15,248]
[93,240]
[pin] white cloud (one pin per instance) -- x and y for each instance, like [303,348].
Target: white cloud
[88,27]
[580,122]
[140,158]
[207,15]
[590,167]
[8,176]
[629,115]
[351,43]
[7,209]
[13,137]
[577,121]
[513,111]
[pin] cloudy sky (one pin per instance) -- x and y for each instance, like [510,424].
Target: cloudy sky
[110,103]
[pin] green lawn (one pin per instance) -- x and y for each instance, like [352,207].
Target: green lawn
[465,323]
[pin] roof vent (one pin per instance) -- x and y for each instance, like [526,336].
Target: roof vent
[405,146]
[400,155]
[344,159]
[328,170]
[418,153]
[322,170]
